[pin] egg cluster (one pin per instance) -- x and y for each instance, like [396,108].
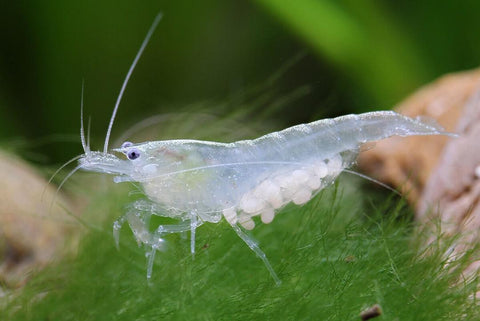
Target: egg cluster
[271,194]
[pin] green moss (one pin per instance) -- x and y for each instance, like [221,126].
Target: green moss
[335,258]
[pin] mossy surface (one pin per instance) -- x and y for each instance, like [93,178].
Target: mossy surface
[336,256]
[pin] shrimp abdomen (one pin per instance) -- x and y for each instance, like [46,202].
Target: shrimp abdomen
[327,137]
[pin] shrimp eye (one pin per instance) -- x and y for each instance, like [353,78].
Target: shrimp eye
[127,144]
[133,154]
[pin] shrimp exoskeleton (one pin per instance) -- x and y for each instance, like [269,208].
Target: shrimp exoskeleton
[200,181]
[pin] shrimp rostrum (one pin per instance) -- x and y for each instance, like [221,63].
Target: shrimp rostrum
[199,181]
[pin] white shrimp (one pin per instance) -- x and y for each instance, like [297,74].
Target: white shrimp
[199,181]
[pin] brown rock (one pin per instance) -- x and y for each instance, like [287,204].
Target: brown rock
[407,163]
[453,191]
[440,176]
[31,231]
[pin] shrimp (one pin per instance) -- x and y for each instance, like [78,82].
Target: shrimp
[196,182]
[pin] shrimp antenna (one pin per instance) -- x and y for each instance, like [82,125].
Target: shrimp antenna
[373,180]
[58,171]
[132,67]
[88,131]
[85,146]
[63,182]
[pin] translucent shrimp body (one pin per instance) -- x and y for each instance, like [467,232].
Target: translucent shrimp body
[257,177]
[200,181]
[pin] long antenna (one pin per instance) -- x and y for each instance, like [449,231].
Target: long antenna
[85,146]
[373,180]
[132,67]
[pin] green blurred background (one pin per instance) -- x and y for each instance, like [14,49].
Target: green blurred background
[357,56]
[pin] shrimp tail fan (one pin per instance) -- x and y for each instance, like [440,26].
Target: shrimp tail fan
[379,125]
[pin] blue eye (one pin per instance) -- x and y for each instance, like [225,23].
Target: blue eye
[133,154]
[127,144]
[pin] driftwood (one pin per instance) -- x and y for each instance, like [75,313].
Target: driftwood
[31,230]
[439,176]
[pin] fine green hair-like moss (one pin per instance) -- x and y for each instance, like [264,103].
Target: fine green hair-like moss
[335,258]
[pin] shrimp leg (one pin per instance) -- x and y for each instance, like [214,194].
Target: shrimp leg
[255,248]
[138,218]
[188,225]
[193,227]
[143,209]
